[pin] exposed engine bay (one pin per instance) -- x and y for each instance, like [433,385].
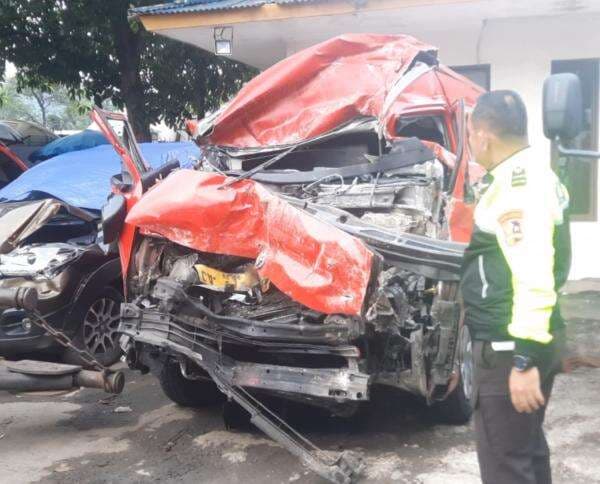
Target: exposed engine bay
[406,201]
[396,186]
[406,335]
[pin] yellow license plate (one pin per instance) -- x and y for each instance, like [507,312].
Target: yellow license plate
[227,281]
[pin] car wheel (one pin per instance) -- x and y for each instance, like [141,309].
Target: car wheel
[457,408]
[98,330]
[185,392]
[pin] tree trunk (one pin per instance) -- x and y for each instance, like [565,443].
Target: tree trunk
[39,97]
[44,117]
[127,44]
[136,111]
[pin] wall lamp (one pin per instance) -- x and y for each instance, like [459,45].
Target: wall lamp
[223,40]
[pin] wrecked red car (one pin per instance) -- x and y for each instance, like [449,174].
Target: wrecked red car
[316,252]
[18,140]
[11,166]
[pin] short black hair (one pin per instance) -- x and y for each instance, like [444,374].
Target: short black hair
[503,113]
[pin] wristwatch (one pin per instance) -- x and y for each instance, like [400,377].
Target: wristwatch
[522,363]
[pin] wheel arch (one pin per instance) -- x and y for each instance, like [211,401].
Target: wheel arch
[107,274]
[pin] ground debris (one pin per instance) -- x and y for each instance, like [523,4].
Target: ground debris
[73,393]
[63,467]
[122,410]
[108,400]
[173,440]
[382,466]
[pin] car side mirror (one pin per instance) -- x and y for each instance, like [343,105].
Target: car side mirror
[121,183]
[150,177]
[113,217]
[562,106]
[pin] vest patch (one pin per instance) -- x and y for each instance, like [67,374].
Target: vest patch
[519,177]
[512,226]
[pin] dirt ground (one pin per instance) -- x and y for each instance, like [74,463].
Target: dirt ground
[85,436]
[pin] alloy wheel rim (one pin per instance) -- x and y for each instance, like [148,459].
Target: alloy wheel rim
[100,326]
[466,362]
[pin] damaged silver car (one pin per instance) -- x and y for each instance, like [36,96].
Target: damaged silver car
[54,248]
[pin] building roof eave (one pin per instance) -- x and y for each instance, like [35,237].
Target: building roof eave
[199,6]
[194,15]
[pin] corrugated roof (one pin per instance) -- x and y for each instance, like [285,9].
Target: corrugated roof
[196,6]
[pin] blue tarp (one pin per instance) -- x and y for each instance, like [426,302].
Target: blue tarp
[75,142]
[82,178]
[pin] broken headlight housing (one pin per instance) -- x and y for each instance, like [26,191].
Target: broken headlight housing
[38,260]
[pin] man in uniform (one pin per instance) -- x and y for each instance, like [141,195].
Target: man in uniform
[518,257]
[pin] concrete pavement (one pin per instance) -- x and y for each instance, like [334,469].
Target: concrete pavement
[78,437]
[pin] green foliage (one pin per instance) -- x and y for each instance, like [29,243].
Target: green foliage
[13,105]
[54,108]
[187,81]
[91,48]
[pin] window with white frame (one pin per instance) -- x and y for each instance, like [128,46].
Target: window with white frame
[478,73]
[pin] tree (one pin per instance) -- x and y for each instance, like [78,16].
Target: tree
[53,108]
[14,105]
[92,48]
[43,100]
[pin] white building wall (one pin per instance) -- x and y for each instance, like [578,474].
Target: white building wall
[520,52]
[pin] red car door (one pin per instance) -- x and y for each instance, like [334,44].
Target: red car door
[129,183]
[461,205]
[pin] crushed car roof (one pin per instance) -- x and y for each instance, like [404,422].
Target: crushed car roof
[332,83]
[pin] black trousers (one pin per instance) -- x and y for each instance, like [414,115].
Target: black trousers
[511,446]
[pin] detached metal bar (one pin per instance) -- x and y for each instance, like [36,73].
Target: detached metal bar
[338,468]
[21,382]
[29,375]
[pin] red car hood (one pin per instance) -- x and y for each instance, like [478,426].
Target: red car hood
[311,261]
[302,97]
[325,86]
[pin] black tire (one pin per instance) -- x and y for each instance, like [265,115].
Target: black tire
[235,417]
[457,408]
[188,393]
[97,332]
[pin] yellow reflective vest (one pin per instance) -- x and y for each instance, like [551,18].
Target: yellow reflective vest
[519,255]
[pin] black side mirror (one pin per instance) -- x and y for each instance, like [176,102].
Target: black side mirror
[121,182]
[113,217]
[149,178]
[562,106]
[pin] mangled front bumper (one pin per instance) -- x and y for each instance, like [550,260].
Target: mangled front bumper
[167,333]
[305,384]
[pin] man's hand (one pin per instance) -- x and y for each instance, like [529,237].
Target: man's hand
[525,390]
